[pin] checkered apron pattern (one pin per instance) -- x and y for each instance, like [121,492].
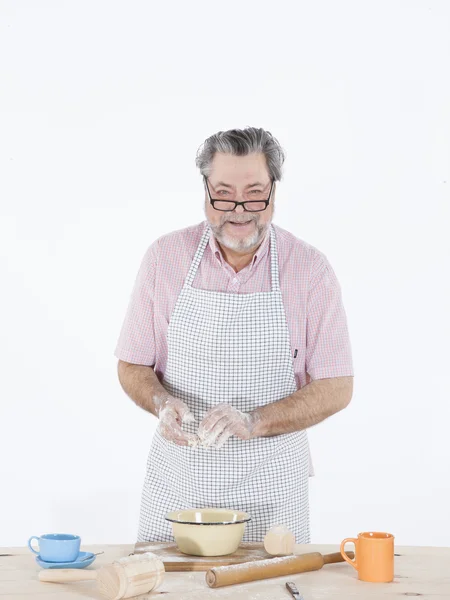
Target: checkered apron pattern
[233,349]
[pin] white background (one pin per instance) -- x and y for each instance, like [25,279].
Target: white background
[103,107]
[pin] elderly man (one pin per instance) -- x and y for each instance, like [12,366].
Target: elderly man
[236,339]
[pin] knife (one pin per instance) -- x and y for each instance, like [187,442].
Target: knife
[293,590]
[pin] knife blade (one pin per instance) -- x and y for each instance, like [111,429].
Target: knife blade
[293,590]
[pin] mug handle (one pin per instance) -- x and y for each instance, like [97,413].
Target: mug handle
[33,537]
[344,555]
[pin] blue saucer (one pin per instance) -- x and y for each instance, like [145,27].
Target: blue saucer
[76,564]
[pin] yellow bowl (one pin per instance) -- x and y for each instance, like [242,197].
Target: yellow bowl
[208,531]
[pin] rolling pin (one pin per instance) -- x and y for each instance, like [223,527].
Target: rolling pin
[270,567]
[127,577]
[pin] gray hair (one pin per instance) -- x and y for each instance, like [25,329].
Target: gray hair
[241,142]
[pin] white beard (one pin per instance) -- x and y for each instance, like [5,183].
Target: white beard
[239,245]
[243,244]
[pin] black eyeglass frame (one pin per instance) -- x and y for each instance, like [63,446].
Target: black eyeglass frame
[213,200]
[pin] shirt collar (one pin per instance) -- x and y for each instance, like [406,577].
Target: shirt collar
[259,254]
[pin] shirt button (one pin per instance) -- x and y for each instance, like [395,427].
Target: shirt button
[235,280]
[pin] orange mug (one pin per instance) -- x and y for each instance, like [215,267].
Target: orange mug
[374,556]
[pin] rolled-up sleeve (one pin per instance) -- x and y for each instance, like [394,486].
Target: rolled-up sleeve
[136,343]
[328,346]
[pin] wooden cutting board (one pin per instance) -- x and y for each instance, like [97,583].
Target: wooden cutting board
[174,560]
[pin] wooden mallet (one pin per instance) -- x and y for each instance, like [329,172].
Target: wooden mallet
[125,578]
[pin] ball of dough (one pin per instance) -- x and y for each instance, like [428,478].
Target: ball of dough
[279,541]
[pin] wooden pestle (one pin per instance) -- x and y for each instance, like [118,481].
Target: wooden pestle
[271,567]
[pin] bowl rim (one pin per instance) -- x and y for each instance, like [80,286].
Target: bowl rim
[172,520]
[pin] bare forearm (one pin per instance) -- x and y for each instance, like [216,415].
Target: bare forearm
[304,408]
[141,384]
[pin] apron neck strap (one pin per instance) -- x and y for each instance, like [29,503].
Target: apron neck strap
[274,273]
[198,257]
[204,242]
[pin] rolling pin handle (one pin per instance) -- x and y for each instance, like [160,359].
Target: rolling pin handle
[336,557]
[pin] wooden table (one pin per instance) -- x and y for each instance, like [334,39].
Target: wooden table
[421,572]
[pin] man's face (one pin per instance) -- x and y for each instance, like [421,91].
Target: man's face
[239,178]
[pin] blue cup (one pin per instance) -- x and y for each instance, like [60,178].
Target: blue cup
[57,547]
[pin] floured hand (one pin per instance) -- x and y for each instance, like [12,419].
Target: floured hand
[172,413]
[223,421]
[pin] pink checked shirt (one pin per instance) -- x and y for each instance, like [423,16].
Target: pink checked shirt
[312,298]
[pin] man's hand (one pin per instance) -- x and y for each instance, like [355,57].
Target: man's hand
[172,413]
[223,421]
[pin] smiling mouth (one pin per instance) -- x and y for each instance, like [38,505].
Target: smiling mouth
[240,222]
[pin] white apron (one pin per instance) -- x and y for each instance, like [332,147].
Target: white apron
[233,349]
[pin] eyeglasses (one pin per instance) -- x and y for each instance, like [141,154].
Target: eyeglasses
[257,205]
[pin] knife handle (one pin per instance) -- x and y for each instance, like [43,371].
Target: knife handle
[293,590]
